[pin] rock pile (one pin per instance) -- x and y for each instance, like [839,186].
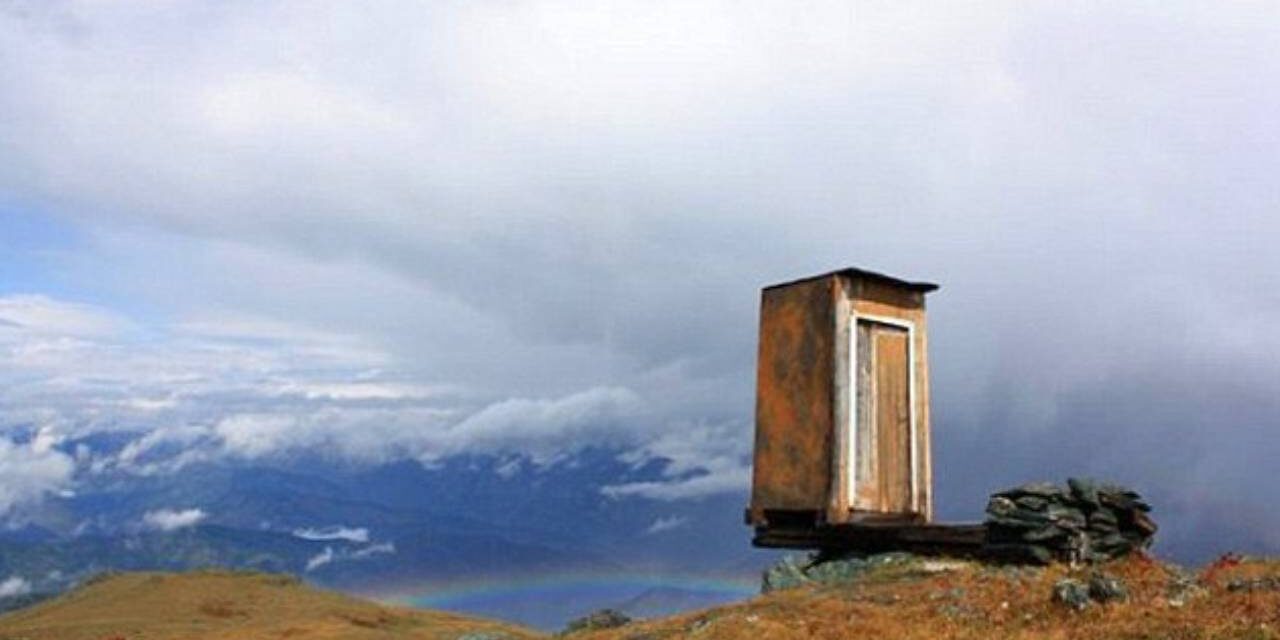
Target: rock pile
[596,620]
[1082,522]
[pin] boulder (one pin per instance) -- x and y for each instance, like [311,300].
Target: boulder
[1105,588]
[602,619]
[1072,593]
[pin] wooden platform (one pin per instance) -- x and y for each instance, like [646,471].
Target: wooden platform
[957,539]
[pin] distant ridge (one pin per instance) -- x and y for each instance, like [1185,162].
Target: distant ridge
[665,601]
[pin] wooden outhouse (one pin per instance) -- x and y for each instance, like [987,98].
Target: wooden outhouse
[842,404]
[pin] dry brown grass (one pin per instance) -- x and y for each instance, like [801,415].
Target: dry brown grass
[976,602]
[209,605]
[967,601]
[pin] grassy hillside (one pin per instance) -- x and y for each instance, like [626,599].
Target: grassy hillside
[962,600]
[222,604]
[910,599]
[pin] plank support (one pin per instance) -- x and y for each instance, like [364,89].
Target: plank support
[957,540]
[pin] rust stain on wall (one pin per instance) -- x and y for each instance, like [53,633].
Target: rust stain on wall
[793,419]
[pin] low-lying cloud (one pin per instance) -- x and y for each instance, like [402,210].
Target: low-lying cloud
[14,586]
[669,523]
[168,520]
[246,391]
[350,534]
[319,560]
[331,555]
[33,470]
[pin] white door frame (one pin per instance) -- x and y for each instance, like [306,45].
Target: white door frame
[852,428]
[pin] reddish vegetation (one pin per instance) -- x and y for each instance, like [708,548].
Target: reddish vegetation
[1231,598]
[973,601]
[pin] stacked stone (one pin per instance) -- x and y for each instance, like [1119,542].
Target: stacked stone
[1083,522]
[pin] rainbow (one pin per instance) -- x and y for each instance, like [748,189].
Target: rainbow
[470,594]
[443,593]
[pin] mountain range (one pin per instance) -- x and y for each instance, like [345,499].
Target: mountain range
[456,535]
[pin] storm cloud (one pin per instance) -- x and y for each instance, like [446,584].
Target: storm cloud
[526,227]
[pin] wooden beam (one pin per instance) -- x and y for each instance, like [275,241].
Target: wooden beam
[927,539]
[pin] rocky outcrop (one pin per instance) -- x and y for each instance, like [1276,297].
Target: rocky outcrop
[797,570]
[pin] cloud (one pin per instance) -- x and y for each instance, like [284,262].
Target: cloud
[666,524]
[567,206]
[240,389]
[699,460]
[14,586]
[708,480]
[76,377]
[373,550]
[330,555]
[172,520]
[544,428]
[320,559]
[32,470]
[353,534]
[40,315]
[699,486]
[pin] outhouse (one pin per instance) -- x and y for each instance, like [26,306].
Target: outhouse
[842,404]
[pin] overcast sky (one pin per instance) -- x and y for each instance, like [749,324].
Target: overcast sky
[521,228]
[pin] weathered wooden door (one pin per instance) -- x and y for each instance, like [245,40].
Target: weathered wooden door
[883,450]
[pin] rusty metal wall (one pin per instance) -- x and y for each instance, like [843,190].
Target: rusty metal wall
[794,418]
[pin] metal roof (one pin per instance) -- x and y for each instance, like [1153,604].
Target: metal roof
[854,272]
